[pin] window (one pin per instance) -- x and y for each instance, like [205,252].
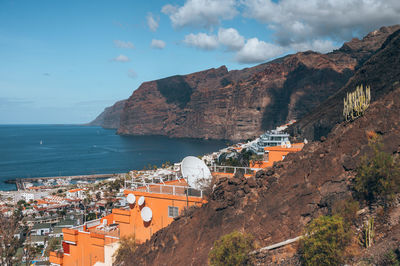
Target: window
[173,211]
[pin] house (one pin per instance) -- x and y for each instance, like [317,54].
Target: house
[41,229]
[276,154]
[37,240]
[151,207]
[77,193]
[57,232]
[28,196]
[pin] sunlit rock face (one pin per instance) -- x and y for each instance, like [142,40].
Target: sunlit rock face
[240,104]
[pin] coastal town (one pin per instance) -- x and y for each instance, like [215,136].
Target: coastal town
[61,219]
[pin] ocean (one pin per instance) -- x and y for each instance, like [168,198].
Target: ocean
[58,150]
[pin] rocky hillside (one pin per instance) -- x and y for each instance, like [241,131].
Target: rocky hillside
[277,203]
[240,104]
[110,117]
[381,72]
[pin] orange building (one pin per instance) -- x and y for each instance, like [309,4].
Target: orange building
[276,154]
[94,242]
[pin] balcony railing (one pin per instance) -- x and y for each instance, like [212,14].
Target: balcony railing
[160,188]
[106,230]
[232,169]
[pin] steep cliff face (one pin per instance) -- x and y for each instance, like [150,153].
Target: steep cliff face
[110,117]
[381,72]
[277,204]
[240,104]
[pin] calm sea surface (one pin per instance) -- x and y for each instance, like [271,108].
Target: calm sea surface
[54,150]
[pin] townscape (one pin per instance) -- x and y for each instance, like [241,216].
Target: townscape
[200,132]
[48,215]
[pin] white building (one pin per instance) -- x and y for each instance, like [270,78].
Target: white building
[77,193]
[27,196]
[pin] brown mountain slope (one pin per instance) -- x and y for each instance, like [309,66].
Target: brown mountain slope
[381,72]
[240,104]
[277,204]
[110,117]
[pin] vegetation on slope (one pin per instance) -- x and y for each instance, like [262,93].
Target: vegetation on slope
[325,241]
[378,177]
[127,246]
[232,249]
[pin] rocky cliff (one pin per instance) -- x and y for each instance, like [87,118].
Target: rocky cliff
[240,104]
[110,117]
[381,72]
[276,204]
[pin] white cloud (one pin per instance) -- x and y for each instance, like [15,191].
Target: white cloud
[300,21]
[322,46]
[132,73]
[296,25]
[122,44]
[158,44]
[152,22]
[255,51]
[121,58]
[230,38]
[200,13]
[202,41]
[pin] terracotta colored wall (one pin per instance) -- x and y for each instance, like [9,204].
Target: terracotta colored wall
[88,248]
[131,221]
[275,154]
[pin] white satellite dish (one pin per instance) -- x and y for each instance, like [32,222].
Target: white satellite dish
[146,214]
[193,169]
[288,144]
[131,198]
[141,201]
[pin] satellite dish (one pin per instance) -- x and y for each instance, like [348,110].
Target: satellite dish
[141,201]
[288,144]
[194,170]
[146,214]
[131,198]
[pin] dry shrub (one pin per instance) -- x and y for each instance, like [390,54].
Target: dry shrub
[232,249]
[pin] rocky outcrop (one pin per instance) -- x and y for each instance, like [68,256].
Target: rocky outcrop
[276,204]
[110,117]
[240,104]
[381,72]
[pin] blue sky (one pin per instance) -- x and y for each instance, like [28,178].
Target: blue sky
[65,61]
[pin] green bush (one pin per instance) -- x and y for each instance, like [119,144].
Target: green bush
[378,177]
[231,249]
[324,242]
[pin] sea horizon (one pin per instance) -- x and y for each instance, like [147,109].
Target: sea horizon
[46,150]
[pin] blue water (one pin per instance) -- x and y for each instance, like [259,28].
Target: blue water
[76,150]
